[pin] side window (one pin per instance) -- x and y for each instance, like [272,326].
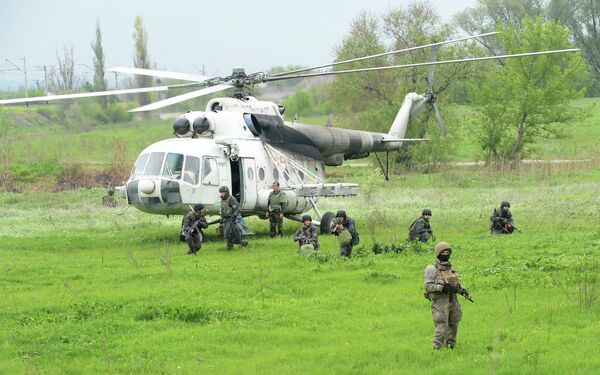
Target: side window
[154,164]
[173,166]
[192,170]
[210,174]
[139,166]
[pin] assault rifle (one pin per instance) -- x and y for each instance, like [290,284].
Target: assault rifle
[463,292]
[509,227]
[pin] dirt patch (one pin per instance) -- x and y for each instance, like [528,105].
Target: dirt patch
[72,179]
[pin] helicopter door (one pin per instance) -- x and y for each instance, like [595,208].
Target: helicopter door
[249,184]
[210,181]
[237,187]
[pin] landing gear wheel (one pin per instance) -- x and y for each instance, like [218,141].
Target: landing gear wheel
[327,222]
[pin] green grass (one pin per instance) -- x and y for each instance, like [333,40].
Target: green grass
[87,291]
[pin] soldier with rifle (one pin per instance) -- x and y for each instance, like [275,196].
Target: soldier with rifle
[191,228]
[277,202]
[230,210]
[347,234]
[307,235]
[420,229]
[501,220]
[441,287]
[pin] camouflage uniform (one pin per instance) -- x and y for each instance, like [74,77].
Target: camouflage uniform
[346,250]
[193,239]
[420,230]
[307,235]
[277,203]
[109,200]
[441,286]
[501,220]
[230,210]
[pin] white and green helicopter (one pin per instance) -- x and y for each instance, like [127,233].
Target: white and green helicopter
[245,143]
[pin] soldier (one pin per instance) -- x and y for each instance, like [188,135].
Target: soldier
[191,229]
[109,200]
[230,210]
[420,229]
[345,223]
[501,220]
[441,287]
[277,202]
[307,234]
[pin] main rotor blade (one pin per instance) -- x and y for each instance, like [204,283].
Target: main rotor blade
[485,58]
[384,54]
[181,98]
[439,119]
[84,95]
[161,74]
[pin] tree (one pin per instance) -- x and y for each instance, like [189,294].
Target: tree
[141,59]
[582,18]
[527,98]
[488,14]
[64,78]
[99,81]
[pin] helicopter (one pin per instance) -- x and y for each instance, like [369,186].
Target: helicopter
[245,143]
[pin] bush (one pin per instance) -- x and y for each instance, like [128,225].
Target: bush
[30,173]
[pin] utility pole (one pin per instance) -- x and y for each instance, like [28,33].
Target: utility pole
[24,70]
[45,81]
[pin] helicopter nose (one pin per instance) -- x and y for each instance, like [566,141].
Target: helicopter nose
[146,186]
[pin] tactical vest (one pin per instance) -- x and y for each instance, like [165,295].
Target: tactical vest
[448,276]
[276,201]
[227,209]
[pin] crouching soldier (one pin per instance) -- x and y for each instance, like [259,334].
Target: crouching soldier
[307,235]
[191,229]
[501,219]
[230,210]
[347,234]
[441,287]
[420,229]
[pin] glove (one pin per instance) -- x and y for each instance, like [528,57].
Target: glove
[449,289]
[464,292]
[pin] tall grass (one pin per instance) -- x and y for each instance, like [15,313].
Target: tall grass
[86,291]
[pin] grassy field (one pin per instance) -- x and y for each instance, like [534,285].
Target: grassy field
[87,291]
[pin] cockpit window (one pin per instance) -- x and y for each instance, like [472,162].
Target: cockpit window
[173,166]
[192,170]
[154,164]
[139,166]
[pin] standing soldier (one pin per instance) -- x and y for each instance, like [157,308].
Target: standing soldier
[441,287]
[193,223]
[230,210]
[420,229]
[307,234]
[277,203]
[109,200]
[345,224]
[501,219]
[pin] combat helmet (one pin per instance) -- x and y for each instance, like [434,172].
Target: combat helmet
[341,213]
[198,207]
[426,211]
[505,204]
[441,247]
[306,217]
[223,189]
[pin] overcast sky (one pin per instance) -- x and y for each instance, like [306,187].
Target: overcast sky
[185,35]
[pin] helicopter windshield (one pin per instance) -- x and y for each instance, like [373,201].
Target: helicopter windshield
[154,164]
[139,166]
[173,166]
